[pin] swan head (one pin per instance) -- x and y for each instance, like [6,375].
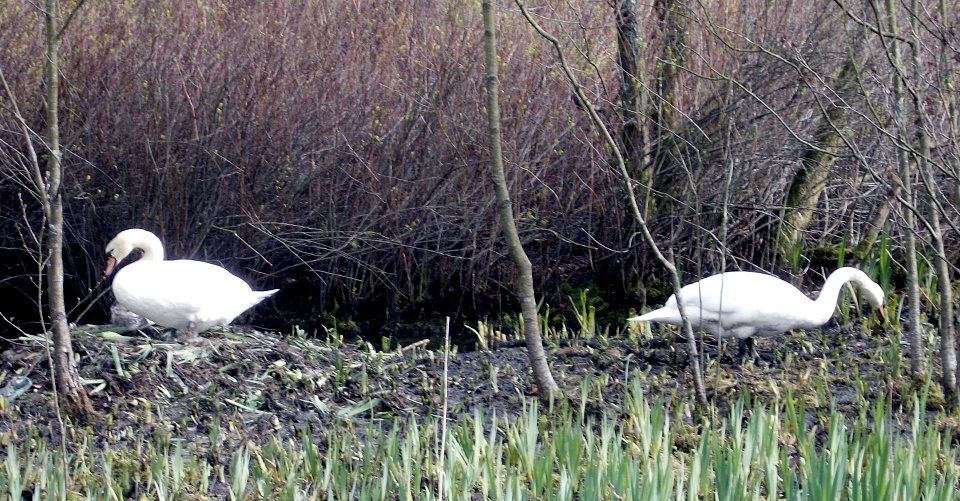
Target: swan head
[126,241]
[871,291]
[874,294]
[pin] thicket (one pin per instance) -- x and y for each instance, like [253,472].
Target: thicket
[337,149]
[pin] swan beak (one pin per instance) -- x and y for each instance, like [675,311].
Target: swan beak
[883,314]
[111,262]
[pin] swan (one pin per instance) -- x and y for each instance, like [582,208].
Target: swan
[756,304]
[184,294]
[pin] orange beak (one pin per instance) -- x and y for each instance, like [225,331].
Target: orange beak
[883,314]
[111,262]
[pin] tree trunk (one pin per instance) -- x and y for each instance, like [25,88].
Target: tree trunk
[948,69]
[632,130]
[948,342]
[664,112]
[528,303]
[69,386]
[815,168]
[914,332]
[915,335]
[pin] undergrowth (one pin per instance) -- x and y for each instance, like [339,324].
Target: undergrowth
[305,418]
[758,451]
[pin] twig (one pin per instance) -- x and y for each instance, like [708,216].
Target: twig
[417,344]
[443,417]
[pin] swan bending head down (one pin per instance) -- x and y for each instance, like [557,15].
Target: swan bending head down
[744,304]
[184,294]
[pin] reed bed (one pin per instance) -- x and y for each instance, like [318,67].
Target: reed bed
[640,451]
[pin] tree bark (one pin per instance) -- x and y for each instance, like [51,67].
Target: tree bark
[665,117]
[915,335]
[815,168]
[948,342]
[632,130]
[525,290]
[944,82]
[69,386]
[914,332]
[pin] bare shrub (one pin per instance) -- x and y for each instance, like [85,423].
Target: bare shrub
[336,149]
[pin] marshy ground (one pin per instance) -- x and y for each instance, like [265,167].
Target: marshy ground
[242,386]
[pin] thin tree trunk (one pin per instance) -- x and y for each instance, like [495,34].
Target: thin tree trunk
[948,382]
[528,303]
[917,355]
[948,342]
[913,280]
[69,386]
[943,83]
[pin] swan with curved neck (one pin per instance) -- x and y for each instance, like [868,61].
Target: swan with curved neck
[745,304]
[184,294]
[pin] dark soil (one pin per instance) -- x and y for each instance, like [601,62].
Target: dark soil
[276,384]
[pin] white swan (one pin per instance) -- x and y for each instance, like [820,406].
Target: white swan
[186,295]
[755,304]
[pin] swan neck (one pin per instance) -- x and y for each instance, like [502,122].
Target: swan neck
[152,254]
[826,303]
[152,248]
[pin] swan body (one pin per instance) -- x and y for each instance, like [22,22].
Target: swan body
[183,294]
[745,304]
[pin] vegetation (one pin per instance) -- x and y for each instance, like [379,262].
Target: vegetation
[581,457]
[300,418]
[311,148]
[333,149]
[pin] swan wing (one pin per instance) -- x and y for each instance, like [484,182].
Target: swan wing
[177,293]
[746,298]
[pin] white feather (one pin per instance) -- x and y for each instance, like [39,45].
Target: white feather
[743,304]
[182,294]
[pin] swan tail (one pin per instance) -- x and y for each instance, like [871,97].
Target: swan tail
[261,295]
[658,315]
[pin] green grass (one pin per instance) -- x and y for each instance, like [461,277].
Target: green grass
[760,451]
[627,430]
